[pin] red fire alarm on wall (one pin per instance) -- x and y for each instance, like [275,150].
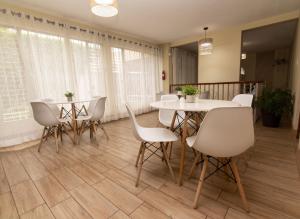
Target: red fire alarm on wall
[163,75]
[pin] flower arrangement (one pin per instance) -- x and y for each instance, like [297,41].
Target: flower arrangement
[69,95]
[190,92]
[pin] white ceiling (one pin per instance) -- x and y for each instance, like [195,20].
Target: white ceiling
[271,37]
[166,20]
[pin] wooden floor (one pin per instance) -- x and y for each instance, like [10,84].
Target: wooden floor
[84,181]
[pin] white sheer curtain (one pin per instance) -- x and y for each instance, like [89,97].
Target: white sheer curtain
[44,62]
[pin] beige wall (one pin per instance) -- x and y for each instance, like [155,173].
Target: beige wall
[224,63]
[295,79]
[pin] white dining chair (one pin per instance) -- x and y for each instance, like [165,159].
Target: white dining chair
[224,134]
[52,106]
[148,137]
[44,115]
[243,99]
[204,95]
[165,116]
[91,121]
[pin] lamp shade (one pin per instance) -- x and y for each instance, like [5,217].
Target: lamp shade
[104,8]
[104,2]
[206,46]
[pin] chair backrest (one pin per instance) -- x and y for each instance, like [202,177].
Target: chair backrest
[167,115]
[52,106]
[204,95]
[243,99]
[136,128]
[92,104]
[99,109]
[226,132]
[43,114]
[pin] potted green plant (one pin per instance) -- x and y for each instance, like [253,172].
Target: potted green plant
[69,95]
[273,104]
[190,92]
[179,90]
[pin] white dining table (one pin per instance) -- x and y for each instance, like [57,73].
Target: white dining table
[192,113]
[73,115]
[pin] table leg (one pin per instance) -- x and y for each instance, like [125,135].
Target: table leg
[183,145]
[173,121]
[74,122]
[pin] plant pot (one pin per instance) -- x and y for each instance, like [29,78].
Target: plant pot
[179,93]
[69,99]
[190,98]
[270,120]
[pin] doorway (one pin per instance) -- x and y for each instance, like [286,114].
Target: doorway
[266,54]
[184,64]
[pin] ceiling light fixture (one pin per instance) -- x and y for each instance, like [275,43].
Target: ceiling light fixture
[104,8]
[206,44]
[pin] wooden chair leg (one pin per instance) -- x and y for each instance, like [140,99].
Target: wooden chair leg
[56,138]
[139,154]
[239,184]
[140,165]
[80,131]
[94,128]
[167,160]
[61,133]
[42,138]
[91,130]
[194,165]
[171,149]
[201,181]
[67,133]
[103,129]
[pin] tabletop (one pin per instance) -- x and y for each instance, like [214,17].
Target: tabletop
[199,105]
[73,101]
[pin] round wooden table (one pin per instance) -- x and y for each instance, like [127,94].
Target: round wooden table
[74,112]
[192,116]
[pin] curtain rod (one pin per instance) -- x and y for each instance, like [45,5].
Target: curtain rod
[65,25]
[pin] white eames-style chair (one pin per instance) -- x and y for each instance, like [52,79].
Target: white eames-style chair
[204,95]
[243,99]
[91,121]
[165,117]
[45,116]
[224,134]
[148,137]
[52,106]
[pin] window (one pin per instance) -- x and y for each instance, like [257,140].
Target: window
[13,102]
[133,77]
[88,67]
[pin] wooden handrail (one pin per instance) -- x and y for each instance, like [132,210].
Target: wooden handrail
[215,83]
[228,89]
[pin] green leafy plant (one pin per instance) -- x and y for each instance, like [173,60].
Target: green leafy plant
[69,94]
[178,88]
[276,102]
[189,90]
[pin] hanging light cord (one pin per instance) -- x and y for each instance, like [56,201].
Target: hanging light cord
[205,29]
